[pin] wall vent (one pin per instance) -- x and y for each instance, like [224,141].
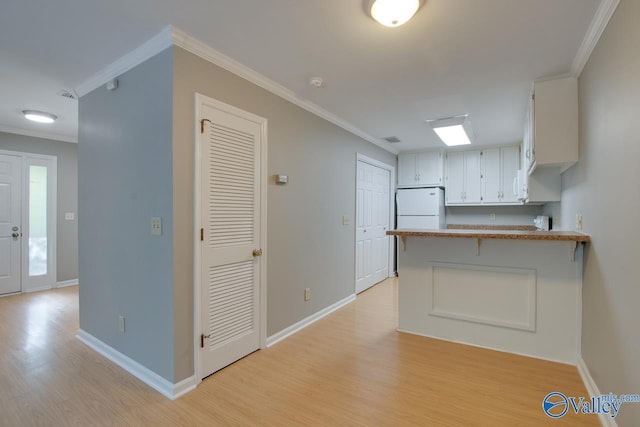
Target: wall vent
[392,139]
[66,94]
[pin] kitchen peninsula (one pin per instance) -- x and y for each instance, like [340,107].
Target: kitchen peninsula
[511,290]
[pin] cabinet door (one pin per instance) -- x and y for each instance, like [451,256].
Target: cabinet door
[491,179]
[472,180]
[455,178]
[407,172]
[510,163]
[529,136]
[430,168]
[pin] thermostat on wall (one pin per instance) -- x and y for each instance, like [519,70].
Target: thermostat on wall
[282,179]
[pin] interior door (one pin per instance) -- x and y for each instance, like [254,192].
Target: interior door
[372,223]
[10,232]
[231,149]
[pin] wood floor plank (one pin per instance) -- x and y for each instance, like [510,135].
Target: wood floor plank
[351,368]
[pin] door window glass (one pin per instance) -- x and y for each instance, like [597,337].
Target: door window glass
[37,220]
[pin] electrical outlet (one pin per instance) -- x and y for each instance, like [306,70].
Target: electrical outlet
[156,226]
[121,323]
[578,222]
[492,217]
[307,294]
[69,216]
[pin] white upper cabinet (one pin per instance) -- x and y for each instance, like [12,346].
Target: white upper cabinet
[551,128]
[510,158]
[482,177]
[454,190]
[499,170]
[463,183]
[423,169]
[491,176]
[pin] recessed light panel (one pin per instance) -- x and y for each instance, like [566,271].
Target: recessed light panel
[39,116]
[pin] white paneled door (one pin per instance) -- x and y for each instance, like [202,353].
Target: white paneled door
[231,251]
[372,223]
[10,232]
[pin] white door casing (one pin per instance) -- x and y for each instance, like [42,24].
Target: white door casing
[10,224]
[373,216]
[232,217]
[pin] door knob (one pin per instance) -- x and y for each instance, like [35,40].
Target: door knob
[257,252]
[15,235]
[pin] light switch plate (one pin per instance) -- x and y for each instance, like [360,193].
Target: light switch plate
[346,220]
[156,226]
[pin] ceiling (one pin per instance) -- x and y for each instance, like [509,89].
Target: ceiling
[454,57]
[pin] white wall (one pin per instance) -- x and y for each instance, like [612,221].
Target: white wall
[603,187]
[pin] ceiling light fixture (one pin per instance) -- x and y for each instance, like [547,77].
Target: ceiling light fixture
[39,116]
[453,130]
[393,13]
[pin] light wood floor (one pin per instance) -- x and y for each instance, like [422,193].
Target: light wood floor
[349,369]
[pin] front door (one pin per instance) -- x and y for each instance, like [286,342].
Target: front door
[10,224]
[231,251]
[372,223]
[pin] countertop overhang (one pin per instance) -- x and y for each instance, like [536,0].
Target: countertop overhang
[564,236]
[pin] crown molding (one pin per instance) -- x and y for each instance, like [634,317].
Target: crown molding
[198,48]
[38,134]
[173,36]
[148,49]
[600,20]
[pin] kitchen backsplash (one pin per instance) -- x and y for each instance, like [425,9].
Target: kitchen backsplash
[504,215]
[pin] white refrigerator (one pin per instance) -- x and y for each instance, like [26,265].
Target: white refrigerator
[420,208]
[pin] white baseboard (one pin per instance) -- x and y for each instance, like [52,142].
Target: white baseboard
[147,376]
[592,389]
[279,336]
[66,283]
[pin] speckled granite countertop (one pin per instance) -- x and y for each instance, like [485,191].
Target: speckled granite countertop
[566,236]
[490,227]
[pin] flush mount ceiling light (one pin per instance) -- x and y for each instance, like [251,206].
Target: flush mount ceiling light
[393,13]
[39,116]
[453,130]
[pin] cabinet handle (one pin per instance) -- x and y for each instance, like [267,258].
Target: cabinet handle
[528,154]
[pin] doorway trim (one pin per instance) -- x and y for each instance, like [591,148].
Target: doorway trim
[201,100]
[51,162]
[392,209]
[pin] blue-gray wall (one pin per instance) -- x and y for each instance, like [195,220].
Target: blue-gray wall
[67,231]
[603,187]
[125,178]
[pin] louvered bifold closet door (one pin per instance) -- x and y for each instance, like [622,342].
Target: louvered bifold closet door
[231,201]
